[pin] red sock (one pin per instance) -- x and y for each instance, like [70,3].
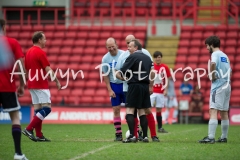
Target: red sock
[151,124]
[34,123]
[38,129]
[136,127]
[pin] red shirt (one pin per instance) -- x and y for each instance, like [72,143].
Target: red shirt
[158,83]
[5,77]
[35,63]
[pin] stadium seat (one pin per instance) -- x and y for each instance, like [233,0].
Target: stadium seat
[231,43]
[193,59]
[73,29]
[75,58]
[49,28]
[91,84]
[77,51]
[64,92]
[70,35]
[86,99]
[181,59]
[184,43]
[87,58]
[54,50]
[232,34]
[185,35]
[182,51]
[82,35]
[56,43]
[78,85]
[186,28]
[196,42]
[230,50]
[66,50]
[197,35]
[221,34]
[86,67]
[94,35]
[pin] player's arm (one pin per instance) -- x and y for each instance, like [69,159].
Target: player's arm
[212,70]
[109,88]
[152,76]
[48,69]
[20,90]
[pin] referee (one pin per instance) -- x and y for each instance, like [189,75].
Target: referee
[136,71]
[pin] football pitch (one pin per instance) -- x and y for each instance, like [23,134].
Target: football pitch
[95,142]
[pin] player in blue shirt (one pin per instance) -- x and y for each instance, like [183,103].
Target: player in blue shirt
[220,90]
[114,85]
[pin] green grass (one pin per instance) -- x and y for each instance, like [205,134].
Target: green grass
[95,142]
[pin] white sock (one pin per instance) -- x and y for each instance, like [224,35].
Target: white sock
[175,113]
[212,126]
[224,126]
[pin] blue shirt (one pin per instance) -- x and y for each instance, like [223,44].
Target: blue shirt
[223,69]
[186,88]
[112,62]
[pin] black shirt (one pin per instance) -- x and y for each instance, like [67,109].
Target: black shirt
[132,63]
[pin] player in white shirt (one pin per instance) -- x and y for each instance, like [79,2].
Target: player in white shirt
[220,90]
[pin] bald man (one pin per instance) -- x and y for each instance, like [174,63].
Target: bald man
[149,115]
[114,85]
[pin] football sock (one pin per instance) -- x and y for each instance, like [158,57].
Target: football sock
[16,134]
[144,125]
[117,125]
[33,123]
[159,119]
[131,123]
[136,127]
[175,113]
[212,126]
[151,124]
[224,126]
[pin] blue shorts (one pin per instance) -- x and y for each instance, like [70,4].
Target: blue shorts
[118,90]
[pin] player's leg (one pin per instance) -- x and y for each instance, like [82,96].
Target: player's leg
[224,117]
[175,113]
[216,103]
[159,106]
[144,124]
[116,106]
[10,104]
[134,92]
[42,106]
[151,124]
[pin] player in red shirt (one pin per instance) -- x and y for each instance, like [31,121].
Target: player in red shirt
[8,96]
[37,67]
[157,97]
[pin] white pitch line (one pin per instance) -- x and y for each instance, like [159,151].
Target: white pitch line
[92,152]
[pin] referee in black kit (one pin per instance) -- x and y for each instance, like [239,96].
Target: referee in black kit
[136,70]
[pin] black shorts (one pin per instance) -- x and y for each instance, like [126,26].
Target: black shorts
[9,101]
[138,96]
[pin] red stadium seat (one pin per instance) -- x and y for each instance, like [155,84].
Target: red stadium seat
[73,29]
[221,28]
[13,34]
[63,58]
[186,28]
[230,50]
[86,99]
[89,92]
[49,28]
[231,43]
[54,50]
[91,84]
[182,51]
[66,50]
[221,34]
[181,59]
[77,51]
[79,84]
[104,35]
[184,43]
[56,43]
[85,67]
[82,35]
[64,92]
[38,28]
[94,75]
[92,43]
[210,28]
[71,34]
[79,43]
[60,28]
[193,59]
[197,35]
[68,43]
[73,100]
[185,35]
[27,28]
[59,35]
[232,34]
[87,58]
[75,58]
[194,51]
[93,35]
[196,43]
[198,28]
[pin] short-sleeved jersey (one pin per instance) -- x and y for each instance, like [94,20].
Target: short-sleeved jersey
[112,61]
[222,66]
[35,63]
[171,89]
[132,63]
[186,89]
[5,77]
[160,80]
[122,58]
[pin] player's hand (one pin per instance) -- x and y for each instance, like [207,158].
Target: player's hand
[165,92]
[58,85]
[150,90]
[20,91]
[112,94]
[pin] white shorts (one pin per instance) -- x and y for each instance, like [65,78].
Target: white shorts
[40,96]
[171,102]
[220,98]
[157,99]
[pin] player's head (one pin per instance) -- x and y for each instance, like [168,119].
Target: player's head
[157,56]
[39,39]
[134,45]
[3,25]
[111,46]
[212,42]
[129,38]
